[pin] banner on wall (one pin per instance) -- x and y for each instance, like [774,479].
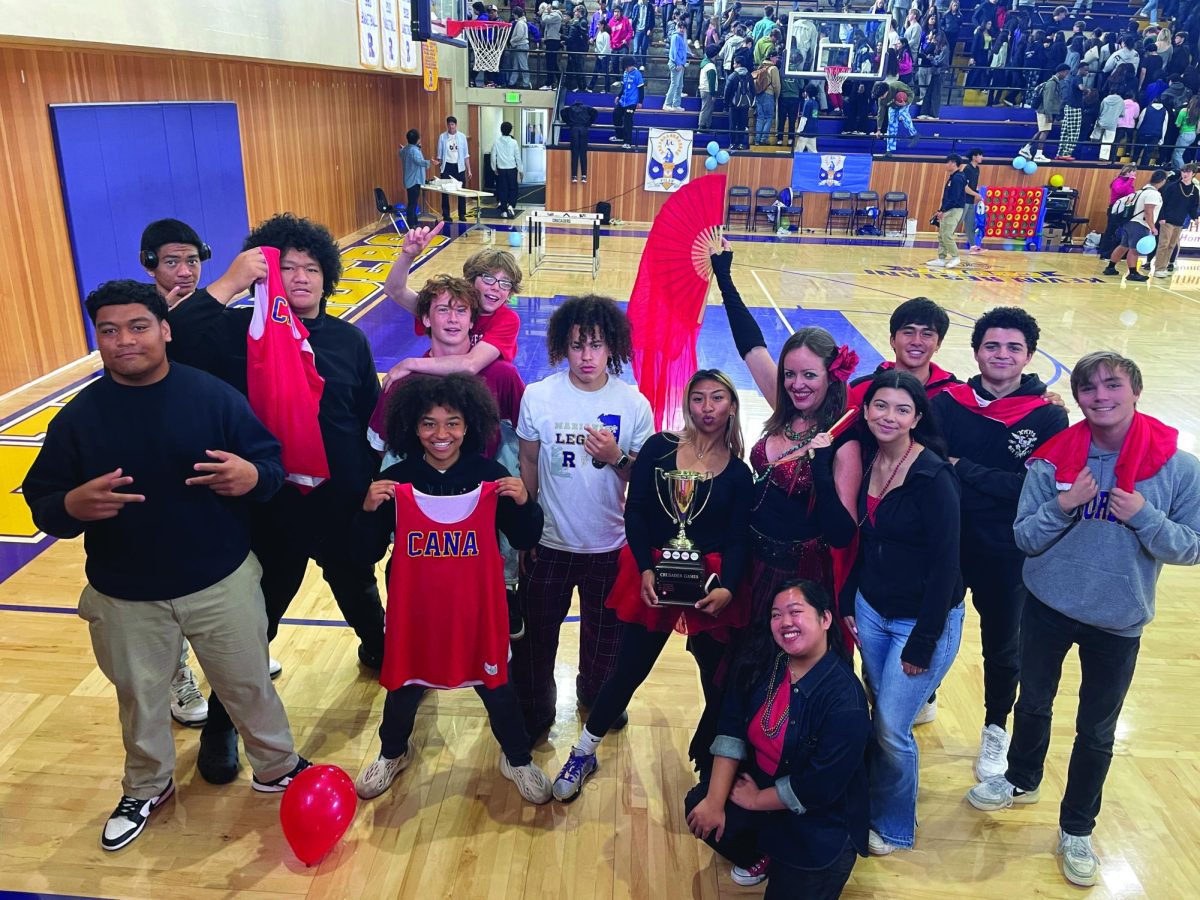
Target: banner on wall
[410,54]
[429,57]
[368,33]
[822,173]
[668,160]
[391,35]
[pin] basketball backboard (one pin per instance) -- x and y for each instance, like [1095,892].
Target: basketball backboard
[817,40]
[429,19]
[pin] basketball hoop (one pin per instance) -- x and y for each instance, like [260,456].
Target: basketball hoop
[488,40]
[835,77]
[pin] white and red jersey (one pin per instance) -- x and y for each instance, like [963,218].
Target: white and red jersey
[282,383]
[447,614]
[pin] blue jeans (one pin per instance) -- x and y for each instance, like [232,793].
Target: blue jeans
[764,116]
[1151,10]
[1185,140]
[641,45]
[898,699]
[675,91]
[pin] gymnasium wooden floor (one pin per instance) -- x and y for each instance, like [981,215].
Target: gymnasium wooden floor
[452,827]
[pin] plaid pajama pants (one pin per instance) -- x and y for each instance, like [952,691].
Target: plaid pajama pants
[1069,136]
[546,599]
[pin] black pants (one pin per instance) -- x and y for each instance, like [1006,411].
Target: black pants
[552,50]
[623,122]
[575,70]
[579,152]
[1106,664]
[739,845]
[600,71]
[637,653]
[452,170]
[998,593]
[410,212]
[738,117]
[786,108]
[506,188]
[504,715]
[286,533]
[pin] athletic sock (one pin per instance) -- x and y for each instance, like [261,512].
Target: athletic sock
[587,743]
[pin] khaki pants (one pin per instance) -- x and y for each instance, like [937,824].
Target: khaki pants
[137,646]
[947,249]
[1168,239]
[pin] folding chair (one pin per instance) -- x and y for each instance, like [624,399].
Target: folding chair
[388,211]
[863,201]
[841,206]
[895,207]
[738,205]
[764,206]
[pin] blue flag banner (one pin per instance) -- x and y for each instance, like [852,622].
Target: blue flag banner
[821,173]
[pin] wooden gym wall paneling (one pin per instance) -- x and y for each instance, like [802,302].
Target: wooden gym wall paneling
[617,176]
[314,142]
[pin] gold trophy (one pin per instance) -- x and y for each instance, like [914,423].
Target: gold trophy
[679,577]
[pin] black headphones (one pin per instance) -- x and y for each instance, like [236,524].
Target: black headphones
[149,258]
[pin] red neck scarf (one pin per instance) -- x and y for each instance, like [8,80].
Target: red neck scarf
[1009,410]
[1147,447]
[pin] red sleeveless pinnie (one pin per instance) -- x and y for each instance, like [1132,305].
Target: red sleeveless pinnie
[447,615]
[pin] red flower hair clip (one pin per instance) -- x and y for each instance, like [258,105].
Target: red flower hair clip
[843,364]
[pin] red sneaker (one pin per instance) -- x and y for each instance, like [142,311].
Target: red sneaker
[756,874]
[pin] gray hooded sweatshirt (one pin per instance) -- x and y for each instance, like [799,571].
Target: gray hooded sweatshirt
[1095,569]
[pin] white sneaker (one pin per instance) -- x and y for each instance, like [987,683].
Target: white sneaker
[379,775]
[877,846]
[927,714]
[999,793]
[1027,150]
[756,874]
[188,706]
[274,667]
[993,753]
[1161,273]
[936,264]
[1041,157]
[953,263]
[129,818]
[532,783]
[1079,862]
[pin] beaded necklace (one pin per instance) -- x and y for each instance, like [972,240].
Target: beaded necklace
[887,484]
[773,687]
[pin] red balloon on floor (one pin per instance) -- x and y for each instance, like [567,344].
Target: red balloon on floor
[317,808]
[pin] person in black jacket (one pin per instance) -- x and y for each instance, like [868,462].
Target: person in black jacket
[787,798]
[442,425]
[903,598]
[710,443]
[157,466]
[579,119]
[991,425]
[295,527]
[1181,203]
[576,40]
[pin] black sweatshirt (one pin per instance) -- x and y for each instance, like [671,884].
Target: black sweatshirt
[522,525]
[181,539]
[1179,203]
[991,461]
[722,527]
[343,358]
[908,565]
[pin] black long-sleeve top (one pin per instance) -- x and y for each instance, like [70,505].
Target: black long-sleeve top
[343,358]
[991,461]
[181,539]
[722,527]
[908,558]
[522,525]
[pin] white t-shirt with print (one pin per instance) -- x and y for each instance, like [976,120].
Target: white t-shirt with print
[584,506]
[1148,196]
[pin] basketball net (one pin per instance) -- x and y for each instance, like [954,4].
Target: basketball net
[835,77]
[486,39]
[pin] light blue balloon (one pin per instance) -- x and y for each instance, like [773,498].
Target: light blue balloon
[713,147]
[711,164]
[514,238]
[1019,162]
[1030,167]
[1146,245]
[723,157]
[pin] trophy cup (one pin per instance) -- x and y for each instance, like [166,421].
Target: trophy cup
[679,576]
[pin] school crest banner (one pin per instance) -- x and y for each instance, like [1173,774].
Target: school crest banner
[821,173]
[668,160]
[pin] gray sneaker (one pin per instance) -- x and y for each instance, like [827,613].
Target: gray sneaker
[998,793]
[379,775]
[188,706]
[1080,864]
[532,783]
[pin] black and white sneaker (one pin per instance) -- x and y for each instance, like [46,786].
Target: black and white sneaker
[129,818]
[279,785]
[516,621]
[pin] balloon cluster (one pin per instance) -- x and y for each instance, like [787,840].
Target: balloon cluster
[716,156]
[1024,164]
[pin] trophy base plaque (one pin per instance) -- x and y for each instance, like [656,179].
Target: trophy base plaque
[679,577]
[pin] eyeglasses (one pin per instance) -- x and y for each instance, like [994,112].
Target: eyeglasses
[502,283]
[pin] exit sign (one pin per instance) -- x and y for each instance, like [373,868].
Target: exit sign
[512,97]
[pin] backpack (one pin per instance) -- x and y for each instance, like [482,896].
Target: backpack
[762,79]
[743,92]
[1122,211]
[1035,96]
